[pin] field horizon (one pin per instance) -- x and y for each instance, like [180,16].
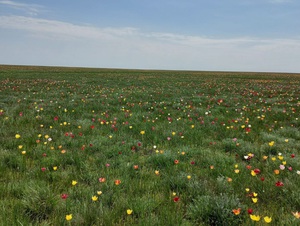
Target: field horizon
[37,67]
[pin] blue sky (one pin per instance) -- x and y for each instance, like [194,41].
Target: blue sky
[214,35]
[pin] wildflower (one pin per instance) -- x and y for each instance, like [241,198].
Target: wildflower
[17,136]
[247,189]
[282,167]
[253,173]
[236,211]
[176,199]
[292,155]
[129,211]
[236,170]
[142,132]
[276,171]
[23,152]
[189,177]
[94,198]
[176,161]
[64,196]
[117,182]
[43,169]
[267,219]
[135,167]
[69,217]
[256,171]
[229,179]
[211,167]
[157,172]
[99,192]
[54,168]
[296,214]
[250,211]
[74,182]
[265,157]
[102,179]
[254,217]
[279,184]
[271,143]
[254,200]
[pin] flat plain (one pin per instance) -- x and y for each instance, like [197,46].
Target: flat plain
[86,146]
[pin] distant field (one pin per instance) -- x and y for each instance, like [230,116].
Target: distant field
[85,146]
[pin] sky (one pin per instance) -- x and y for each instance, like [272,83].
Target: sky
[202,35]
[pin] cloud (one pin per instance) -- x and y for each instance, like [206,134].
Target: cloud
[51,42]
[30,9]
[61,29]
[279,1]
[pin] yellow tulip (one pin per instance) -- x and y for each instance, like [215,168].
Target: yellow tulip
[267,219]
[296,214]
[254,200]
[254,217]
[69,217]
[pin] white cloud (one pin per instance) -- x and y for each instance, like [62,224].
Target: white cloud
[279,1]
[31,9]
[61,29]
[50,42]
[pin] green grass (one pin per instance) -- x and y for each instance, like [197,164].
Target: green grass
[81,124]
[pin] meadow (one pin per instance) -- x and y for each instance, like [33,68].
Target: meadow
[84,146]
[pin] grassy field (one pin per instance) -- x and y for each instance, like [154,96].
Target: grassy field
[107,147]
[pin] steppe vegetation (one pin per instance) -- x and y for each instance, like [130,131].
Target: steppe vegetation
[84,146]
